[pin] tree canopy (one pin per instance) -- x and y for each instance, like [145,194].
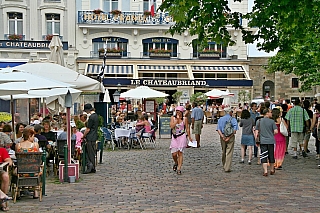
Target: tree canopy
[290,27]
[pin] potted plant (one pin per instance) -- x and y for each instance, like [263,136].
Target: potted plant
[111,52]
[163,53]
[97,11]
[209,54]
[15,37]
[49,37]
[116,12]
[147,13]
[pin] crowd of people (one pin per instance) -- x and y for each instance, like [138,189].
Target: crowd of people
[271,129]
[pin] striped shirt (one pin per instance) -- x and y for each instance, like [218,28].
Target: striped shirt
[297,115]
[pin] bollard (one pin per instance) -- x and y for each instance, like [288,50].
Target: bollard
[83,157]
[101,148]
[44,174]
[65,149]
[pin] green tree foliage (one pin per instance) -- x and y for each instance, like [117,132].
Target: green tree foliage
[207,19]
[198,97]
[177,95]
[290,27]
[244,96]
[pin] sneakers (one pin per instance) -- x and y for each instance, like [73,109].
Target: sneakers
[304,154]
[295,157]
[249,162]
[242,161]
[317,157]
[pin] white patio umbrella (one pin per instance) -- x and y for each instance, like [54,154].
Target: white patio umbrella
[227,99]
[217,93]
[32,82]
[63,74]
[56,48]
[142,92]
[106,97]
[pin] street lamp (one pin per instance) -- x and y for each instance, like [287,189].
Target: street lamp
[116,95]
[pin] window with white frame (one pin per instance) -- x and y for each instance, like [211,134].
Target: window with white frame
[15,23]
[109,5]
[53,23]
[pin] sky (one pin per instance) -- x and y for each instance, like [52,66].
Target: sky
[252,48]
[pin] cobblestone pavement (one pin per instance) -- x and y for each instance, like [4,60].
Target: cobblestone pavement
[143,181]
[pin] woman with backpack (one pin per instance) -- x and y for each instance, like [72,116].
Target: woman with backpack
[179,126]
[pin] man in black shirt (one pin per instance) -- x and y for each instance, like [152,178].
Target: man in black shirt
[91,136]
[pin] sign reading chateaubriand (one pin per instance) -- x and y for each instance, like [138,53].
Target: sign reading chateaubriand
[29,44]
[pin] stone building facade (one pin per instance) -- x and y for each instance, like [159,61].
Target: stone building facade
[275,85]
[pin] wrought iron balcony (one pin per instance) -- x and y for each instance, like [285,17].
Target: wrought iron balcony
[49,37]
[14,37]
[123,18]
[97,54]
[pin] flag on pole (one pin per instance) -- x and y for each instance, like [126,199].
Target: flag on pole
[151,2]
[101,73]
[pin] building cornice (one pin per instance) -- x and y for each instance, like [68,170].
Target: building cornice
[58,7]
[13,6]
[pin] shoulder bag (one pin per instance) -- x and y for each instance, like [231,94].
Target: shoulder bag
[283,128]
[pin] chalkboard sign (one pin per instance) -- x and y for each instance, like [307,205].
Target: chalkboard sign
[28,162]
[164,126]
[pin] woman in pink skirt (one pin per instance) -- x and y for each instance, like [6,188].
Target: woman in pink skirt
[280,147]
[179,126]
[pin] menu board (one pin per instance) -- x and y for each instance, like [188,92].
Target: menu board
[150,106]
[164,126]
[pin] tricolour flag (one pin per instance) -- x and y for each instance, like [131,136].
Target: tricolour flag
[151,2]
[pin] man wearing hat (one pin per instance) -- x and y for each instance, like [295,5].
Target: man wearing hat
[91,136]
[227,141]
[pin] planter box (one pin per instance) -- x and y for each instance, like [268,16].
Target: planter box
[160,55]
[73,169]
[209,56]
[110,55]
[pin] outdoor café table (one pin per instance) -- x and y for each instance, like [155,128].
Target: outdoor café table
[127,133]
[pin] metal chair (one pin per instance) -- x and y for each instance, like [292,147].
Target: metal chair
[108,137]
[148,138]
[29,173]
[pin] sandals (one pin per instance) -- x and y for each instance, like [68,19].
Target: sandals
[175,166]
[179,172]
[3,206]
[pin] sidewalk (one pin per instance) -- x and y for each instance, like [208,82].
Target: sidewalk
[143,181]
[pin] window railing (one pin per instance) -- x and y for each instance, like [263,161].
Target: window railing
[14,37]
[49,37]
[159,55]
[124,18]
[198,55]
[123,54]
[50,1]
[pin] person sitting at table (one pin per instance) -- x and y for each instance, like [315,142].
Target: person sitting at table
[119,122]
[6,142]
[79,136]
[27,144]
[63,135]
[4,177]
[50,136]
[19,129]
[144,123]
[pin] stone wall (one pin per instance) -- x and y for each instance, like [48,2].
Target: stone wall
[282,82]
